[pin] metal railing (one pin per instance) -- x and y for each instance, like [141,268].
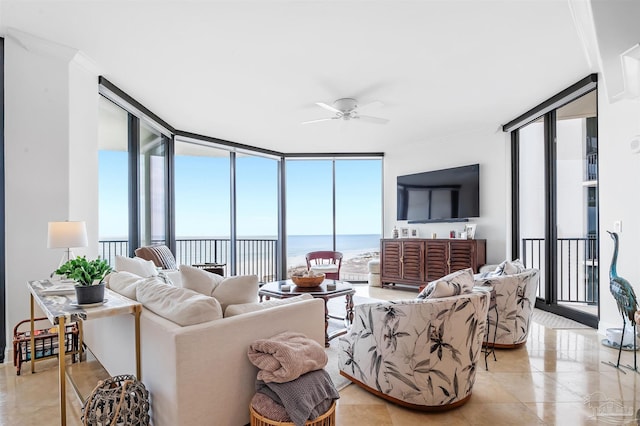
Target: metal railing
[254,256]
[577,266]
[592,166]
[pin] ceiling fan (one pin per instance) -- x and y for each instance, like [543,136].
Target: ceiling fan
[347,109]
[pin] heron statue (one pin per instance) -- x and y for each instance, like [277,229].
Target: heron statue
[626,301]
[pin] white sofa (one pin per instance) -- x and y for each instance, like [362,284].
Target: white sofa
[198,374]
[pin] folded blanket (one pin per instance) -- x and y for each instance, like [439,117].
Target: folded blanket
[302,398]
[286,356]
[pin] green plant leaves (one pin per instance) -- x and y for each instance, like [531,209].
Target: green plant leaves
[84,271]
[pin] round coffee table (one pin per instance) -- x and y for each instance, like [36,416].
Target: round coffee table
[325,291]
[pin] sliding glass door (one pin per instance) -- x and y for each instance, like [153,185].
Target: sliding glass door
[532,198]
[556,200]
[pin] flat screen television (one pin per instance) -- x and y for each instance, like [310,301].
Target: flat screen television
[448,195]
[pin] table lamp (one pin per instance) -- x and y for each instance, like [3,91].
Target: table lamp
[67,235]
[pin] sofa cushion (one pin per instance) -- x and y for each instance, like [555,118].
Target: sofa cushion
[125,283]
[180,305]
[140,267]
[243,308]
[199,280]
[228,291]
[236,290]
[456,283]
[324,268]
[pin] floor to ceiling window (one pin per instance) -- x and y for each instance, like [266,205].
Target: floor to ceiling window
[556,212]
[336,205]
[113,181]
[309,213]
[217,202]
[257,195]
[152,192]
[202,204]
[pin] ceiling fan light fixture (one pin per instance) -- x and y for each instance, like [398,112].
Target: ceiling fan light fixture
[346,109]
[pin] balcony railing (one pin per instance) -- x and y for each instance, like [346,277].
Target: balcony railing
[592,166]
[577,267]
[254,256]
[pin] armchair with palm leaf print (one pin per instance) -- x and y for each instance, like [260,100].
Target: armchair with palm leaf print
[418,353]
[515,298]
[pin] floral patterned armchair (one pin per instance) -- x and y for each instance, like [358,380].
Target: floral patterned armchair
[516,297]
[417,353]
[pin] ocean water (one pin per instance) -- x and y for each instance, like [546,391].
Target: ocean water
[299,245]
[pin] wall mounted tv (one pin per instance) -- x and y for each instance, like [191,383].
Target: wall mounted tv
[448,195]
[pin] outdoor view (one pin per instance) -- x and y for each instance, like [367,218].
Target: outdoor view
[323,197]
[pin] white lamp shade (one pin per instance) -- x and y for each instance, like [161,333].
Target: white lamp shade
[67,235]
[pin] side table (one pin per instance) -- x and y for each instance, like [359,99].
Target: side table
[61,309]
[215,268]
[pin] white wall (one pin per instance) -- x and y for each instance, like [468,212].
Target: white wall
[487,147]
[616,26]
[619,177]
[50,126]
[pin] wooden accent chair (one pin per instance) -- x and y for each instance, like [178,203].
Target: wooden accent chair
[327,262]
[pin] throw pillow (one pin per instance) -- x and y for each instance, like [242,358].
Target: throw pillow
[514,267]
[509,267]
[199,280]
[180,305]
[236,290]
[159,254]
[125,283]
[140,267]
[456,283]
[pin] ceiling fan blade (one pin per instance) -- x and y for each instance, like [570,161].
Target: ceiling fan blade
[371,119]
[370,104]
[317,121]
[328,107]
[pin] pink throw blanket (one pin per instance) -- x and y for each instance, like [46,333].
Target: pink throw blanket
[286,356]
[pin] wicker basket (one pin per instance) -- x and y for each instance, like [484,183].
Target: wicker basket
[314,281]
[326,419]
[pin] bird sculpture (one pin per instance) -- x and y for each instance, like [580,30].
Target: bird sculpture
[625,299]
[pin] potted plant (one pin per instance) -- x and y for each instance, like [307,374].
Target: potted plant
[88,275]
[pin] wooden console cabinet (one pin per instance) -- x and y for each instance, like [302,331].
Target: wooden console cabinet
[416,261]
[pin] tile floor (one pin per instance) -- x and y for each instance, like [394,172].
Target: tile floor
[557,378]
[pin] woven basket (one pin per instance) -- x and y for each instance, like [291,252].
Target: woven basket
[314,281]
[326,419]
[119,400]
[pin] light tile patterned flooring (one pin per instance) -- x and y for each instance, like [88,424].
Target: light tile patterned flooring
[557,378]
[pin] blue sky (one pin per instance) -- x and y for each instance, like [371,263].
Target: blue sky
[203,202]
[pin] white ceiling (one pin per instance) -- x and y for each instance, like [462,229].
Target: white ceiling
[250,72]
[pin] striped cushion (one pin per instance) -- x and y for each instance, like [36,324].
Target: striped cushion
[160,255]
